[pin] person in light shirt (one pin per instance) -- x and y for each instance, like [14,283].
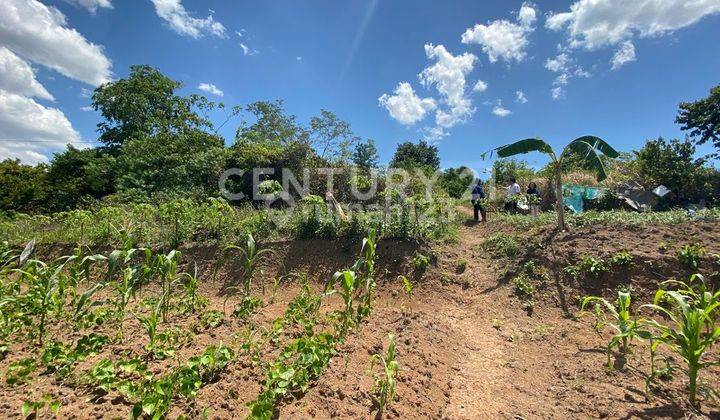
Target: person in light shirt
[513,191]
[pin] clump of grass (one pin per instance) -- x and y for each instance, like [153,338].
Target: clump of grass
[420,262]
[503,244]
[461,265]
[622,258]
[588,265]
[690,255]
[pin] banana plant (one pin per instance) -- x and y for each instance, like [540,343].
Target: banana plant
[589,148]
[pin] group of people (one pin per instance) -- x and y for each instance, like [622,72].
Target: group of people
[511,201]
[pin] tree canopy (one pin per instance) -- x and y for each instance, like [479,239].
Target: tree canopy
[420,154]
[702,119]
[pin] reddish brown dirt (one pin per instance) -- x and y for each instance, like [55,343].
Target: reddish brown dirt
[466,348]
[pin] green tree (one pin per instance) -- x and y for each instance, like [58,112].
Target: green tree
[504,169]
[175,163]
[366,155]
[272,124]
[145,104]
[589,146]
[422,154]
[331,136]
[22,187]
[78,176]
[702,119]
[673,165]
[456,180]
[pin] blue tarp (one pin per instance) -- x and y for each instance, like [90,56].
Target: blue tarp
[574,196]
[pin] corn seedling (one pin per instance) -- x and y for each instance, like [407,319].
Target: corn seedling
[150,322]
[385,380]
[625,325]
[250,255]
[193,300]
[167,269]
[125,288]
[692,330]
[408,287]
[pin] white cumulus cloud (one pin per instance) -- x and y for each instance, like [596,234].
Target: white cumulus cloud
[405,105]
[28,129]
[16,76]
[593,24]
[448,76]
[39,33]
[92,5]
[480,86]
[520,97]
[211,88]
[565,68]
[624,55]
[174,13]
[501,111]
[503,39]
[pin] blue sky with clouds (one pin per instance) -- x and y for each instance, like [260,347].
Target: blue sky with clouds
[468,75]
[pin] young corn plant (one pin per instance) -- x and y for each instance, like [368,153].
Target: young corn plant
[348,283]
[250,255]
[693,329]
[125,287]
[385,380]
[366,266]
[625,325]
[150,323]
[167,268]
[408,288]
[193,300]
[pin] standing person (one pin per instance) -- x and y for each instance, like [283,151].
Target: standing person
[513,191]
[533,197]
[476,199]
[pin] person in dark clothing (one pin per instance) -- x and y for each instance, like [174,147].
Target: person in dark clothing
[533,190]
[533,197]
[477,196]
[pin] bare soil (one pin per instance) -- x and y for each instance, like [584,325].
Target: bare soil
[467,348]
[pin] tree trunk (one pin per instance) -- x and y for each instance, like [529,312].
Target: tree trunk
[559,203]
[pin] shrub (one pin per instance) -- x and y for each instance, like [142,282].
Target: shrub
[502,243]
[420,262]
[689,256]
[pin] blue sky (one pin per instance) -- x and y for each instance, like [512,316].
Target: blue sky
[345,55]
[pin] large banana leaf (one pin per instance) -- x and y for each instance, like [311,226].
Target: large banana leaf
[590,148]
[524,146]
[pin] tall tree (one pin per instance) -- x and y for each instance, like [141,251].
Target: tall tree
[331,136]
[146,104]
[673,165]
[702,119]
[422,154]
[272,124]
[366,155]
